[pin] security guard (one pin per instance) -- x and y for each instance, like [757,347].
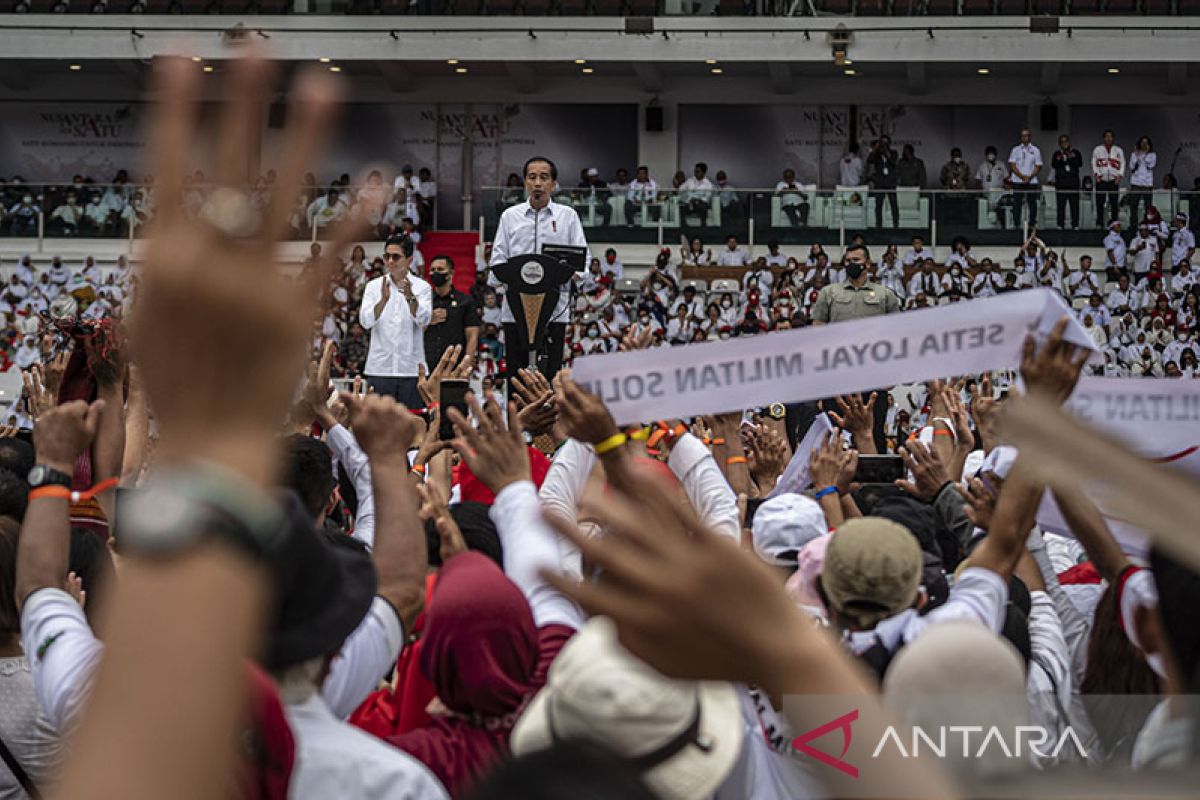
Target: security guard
[856,297]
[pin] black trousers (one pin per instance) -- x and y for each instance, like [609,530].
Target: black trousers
[891,198]
[549,358]
[1067,199]
[1029,192]
[1106,192]
[1137,197]
[797,214]
[402,390]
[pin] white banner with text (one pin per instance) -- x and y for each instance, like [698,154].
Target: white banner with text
[1156,418]
[823,361]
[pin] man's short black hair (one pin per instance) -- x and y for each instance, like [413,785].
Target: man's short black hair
[534,160]
[401,240]
[443,257]
[16,455]
[854,247]
[701,166]
[642,167]
[14,495]
[308,471]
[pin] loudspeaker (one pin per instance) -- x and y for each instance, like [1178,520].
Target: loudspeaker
[654,119]
[277,115]
[1049,117]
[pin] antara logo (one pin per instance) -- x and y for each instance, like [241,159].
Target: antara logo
[800,743]
[937,742]
[943,740]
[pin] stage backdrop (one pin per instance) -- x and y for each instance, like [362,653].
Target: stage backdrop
[53,141]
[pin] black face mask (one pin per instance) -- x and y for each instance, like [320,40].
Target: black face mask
[438,278]
[854,269]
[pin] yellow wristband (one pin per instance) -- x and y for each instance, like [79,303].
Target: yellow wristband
[611,443]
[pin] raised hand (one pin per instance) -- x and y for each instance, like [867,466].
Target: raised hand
[929,472]
[54,369]
[858,418]
[528,385]
[65,431]
[384,428]
[314,397]
[493,450]
[106,356]
[827,459]
[453,365]
[539,416]
[981,496]
[38,398]
[582,414]
[1052,370]
[214,310]
[435,505]
[767,456]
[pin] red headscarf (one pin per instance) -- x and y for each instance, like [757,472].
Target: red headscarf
[486,659]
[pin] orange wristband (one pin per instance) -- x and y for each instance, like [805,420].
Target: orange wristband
[943,433]
[718,440]
[74,497]
[735,460]
[50,491]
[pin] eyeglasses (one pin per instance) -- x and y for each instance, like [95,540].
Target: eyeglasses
[393,256]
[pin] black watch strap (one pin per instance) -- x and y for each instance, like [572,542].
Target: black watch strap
[42,475]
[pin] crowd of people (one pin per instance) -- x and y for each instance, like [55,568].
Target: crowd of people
[1119,185]
[87,208]
[221,577]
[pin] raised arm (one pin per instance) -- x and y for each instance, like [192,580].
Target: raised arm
[497,456]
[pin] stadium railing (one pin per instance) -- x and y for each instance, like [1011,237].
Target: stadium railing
[832,215]
[810,214]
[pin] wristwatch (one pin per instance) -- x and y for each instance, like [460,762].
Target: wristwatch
[776,411]
[178,511]
[42,475]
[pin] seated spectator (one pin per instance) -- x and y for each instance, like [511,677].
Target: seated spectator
[731,202]
[23,216]
[1083,282]
[594,194]
[774,257]
[925,281]
[917,254]
[641,200]
[612,265]
[694,255]
[326,209]
[792,202]
[988,282]
[732,255]
[695,194]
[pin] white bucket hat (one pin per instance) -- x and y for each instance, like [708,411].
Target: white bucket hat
[683,736]
[783,525]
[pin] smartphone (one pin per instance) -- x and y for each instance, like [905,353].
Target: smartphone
[879,469]
[452,394]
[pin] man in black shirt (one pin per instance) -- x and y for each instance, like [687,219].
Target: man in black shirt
[1066,163]
[881,165]
[455,318]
